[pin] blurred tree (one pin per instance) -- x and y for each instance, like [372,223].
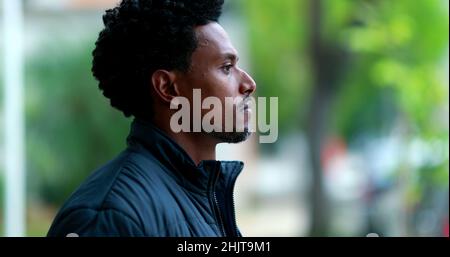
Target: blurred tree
[288,54]
[395,79]
[328,65]
[363,67]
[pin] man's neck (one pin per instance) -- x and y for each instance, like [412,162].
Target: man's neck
[197,145]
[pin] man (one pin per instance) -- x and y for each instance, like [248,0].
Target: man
[164,183]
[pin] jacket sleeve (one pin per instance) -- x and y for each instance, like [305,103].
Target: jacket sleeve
[95,223]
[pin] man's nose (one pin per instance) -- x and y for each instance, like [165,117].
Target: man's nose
[248,85]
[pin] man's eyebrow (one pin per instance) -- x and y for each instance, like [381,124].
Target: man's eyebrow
[230,56]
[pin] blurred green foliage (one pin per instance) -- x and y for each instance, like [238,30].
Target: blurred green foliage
[395,48]
[279,62]
[394,76]
[71,129]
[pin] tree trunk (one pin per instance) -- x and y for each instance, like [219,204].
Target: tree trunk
[327,62]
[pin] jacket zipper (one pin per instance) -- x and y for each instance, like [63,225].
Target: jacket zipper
[216,206]
[236,231]
[222,226]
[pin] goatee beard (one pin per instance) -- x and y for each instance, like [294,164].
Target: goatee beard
[232,137]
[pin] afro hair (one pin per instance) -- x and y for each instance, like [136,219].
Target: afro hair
[140,37]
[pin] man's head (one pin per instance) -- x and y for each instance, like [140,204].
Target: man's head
[152,51]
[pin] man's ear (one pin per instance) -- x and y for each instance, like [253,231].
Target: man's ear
[164,85]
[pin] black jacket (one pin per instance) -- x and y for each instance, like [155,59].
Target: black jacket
[153,188]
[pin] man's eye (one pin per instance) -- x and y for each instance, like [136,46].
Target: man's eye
[227,68]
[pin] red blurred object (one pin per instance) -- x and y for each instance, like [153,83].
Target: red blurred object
[445,229]
[333,148]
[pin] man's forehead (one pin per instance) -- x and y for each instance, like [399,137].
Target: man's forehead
[213,35]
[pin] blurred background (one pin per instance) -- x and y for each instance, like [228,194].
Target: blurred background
[363,90]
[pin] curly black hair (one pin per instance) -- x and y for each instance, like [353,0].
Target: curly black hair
[140,37]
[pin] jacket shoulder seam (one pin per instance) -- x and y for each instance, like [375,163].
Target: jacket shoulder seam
[113,210]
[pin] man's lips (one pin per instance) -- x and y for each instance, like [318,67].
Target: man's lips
[246,108]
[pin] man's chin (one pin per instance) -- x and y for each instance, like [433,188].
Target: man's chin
[231,137]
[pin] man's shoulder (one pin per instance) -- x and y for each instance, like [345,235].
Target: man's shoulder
[121,188]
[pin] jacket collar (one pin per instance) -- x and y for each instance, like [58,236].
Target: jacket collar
[179,164]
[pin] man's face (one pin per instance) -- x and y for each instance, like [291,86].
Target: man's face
[215,72]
